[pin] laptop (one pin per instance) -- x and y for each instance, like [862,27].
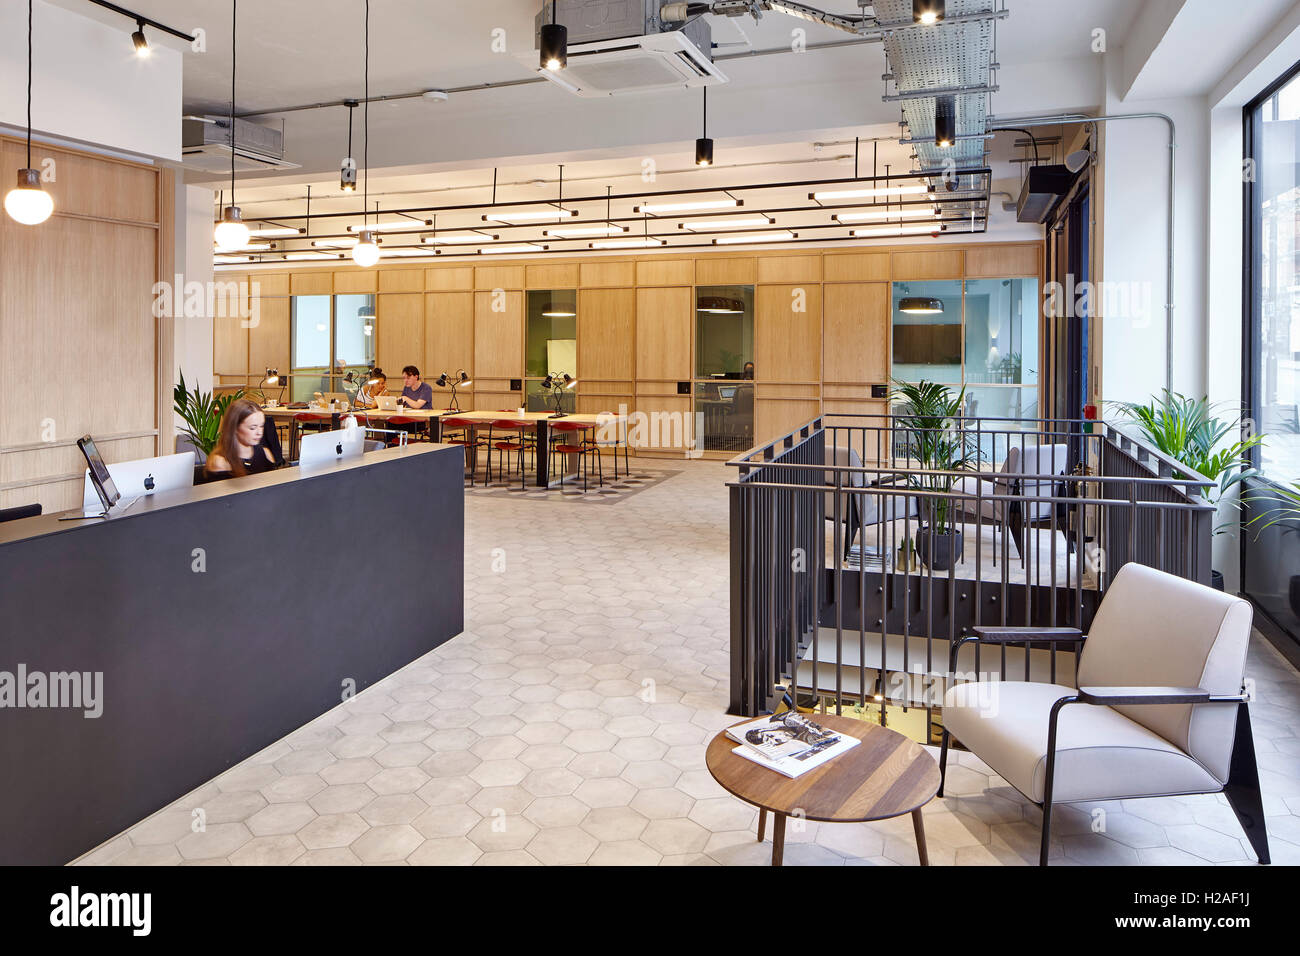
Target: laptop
[386,403]
[727,392]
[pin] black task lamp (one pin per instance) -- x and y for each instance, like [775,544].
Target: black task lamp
[454,382]
[557,384]
[273,379]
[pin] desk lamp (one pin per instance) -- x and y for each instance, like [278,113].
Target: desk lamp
[453,382]
[557,383]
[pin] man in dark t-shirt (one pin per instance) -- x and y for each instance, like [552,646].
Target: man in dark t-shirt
[415,393]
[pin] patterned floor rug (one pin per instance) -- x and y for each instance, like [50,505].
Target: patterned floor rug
[612,491]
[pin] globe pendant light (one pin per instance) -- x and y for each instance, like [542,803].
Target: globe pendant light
[366,252]
[704,145]
[27,202]
[554,43]
[231,233]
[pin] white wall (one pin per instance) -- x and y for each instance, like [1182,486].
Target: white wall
[88,85]
[193,349]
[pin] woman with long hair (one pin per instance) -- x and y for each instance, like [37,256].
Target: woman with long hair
[239,450]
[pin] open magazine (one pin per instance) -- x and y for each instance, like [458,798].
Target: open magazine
[789,743]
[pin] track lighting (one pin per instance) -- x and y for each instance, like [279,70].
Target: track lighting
[138,38]
[945,121]
[554,44]
[928,12]
[366,252]
[27,202]
[704,145]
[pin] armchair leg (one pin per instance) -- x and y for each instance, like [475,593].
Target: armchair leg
[1046,843]
[1242,789]
[943,761]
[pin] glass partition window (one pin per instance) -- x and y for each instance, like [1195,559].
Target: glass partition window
[1002,332]
[927,318]
[332,344]
[354,343]
[550,345]
[724,332]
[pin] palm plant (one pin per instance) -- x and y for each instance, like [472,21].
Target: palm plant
[202,413]
[932,421]
[1188,431]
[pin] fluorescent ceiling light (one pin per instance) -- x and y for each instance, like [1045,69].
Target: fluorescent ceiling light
[249,246]
[400,225]
[740,222]
[334,243]
[867,215]
[227,258]
[779,236]
[870,193]
[581,232]
[458,238]
[639,243]
[313,255]
[529,215]
[694,206]
[408,252]
[897,231]
[273,232]
[523,247]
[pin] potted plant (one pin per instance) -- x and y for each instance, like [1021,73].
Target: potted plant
[932,423]
[202,413]
[1189,431]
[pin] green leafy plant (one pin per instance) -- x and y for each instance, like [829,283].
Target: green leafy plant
[935,439]
[1283,505]
[202,413]
[1189,431]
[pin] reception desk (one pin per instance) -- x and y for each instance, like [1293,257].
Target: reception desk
[221,618]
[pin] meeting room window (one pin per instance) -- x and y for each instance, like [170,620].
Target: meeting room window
[724,366]
[332,344]
[550,347]
[1271,349]
[979,333]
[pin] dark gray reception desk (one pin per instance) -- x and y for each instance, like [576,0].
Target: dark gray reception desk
[221,618]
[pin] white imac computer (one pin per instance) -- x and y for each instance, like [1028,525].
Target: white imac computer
[135,479]
[326,447]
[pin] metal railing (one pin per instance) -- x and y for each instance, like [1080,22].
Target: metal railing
[855,569]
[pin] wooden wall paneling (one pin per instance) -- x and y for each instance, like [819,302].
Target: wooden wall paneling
[654,270]
[855,267]
[318,282]
[928,264]
[562,275]
[790,268]
[165,326]
[607,275]
[777,416]
[268,338]
[229,345]
[448,333]
[856,326]
[714,270]
[664,425]
[606,334]
[267,283]
[788,342]
[401,280]
[95,187]
[399,325]
[498,277]
[498,335]
[664,331]
[356,282]
[449,279]
[1004,260]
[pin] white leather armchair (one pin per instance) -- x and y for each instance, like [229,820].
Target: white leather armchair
[1159,709]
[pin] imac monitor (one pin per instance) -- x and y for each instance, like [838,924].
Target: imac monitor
[135,479]
[98,473]
[327,447]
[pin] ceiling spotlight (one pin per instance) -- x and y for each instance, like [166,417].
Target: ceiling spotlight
[554,43]
[366,252]
[704,145]
[138,38]
[928,12]
[945,121]
[435,96]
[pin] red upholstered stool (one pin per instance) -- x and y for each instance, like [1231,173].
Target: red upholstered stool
[514,438]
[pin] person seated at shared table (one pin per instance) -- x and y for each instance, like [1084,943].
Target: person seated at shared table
[368,394]
[240,449]
[415,393]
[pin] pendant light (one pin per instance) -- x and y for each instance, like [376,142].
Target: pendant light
[945,121]
[366,252]
[554,43]
[348,168]
[704,145]
[928,12]
[231,233]
[920,305]
[27,202]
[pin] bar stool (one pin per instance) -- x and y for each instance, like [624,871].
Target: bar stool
[463,433]
[306,421]
[620,439]
[401,420]
[571,438]
[518,441]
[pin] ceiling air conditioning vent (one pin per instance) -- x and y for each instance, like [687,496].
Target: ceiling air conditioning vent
[1042,190]
[205,145]
[617,46]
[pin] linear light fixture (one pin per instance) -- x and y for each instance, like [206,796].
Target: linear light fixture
[334,243]
[509,250]
[399,225]
[869,215]
[641,242]
[407,251]
[899,230]
[582,232]
[312,255]
[252,246]
[654,209]
[870,193]
[275,232]
[529,215]
[227,258]
[782,235]
[740,222]
[458,238]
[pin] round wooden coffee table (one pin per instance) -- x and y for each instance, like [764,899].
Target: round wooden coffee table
[885,776]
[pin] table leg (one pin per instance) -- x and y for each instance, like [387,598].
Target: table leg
[919,826]
[762,824]
[778,838]
[542,454]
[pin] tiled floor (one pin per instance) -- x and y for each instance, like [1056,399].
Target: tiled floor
[568,725]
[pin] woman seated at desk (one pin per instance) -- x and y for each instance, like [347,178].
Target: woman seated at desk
[368,394]
[239,449]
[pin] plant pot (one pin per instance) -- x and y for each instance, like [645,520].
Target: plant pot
[939,550]
[1216,579]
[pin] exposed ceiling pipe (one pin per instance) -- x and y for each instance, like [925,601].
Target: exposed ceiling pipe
[1073,118]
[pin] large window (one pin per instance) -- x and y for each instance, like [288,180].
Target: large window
[333,344]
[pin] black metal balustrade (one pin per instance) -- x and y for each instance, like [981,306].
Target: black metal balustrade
[844,593]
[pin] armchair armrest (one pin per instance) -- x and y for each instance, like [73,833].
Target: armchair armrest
[1147,695]
[1009,635]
